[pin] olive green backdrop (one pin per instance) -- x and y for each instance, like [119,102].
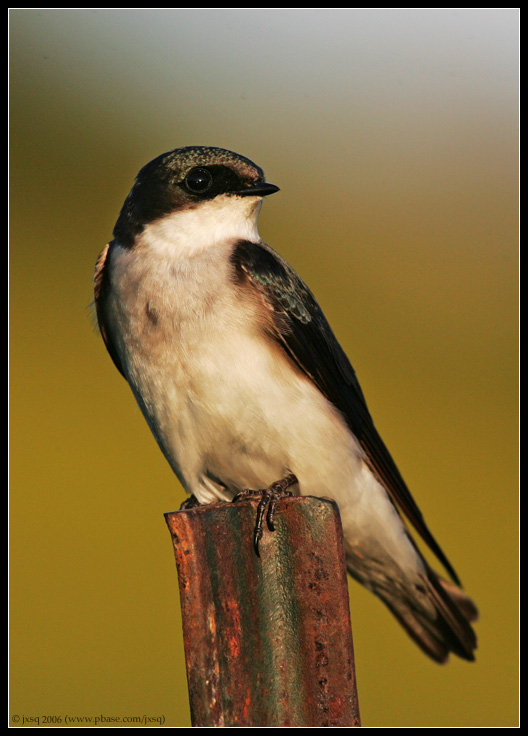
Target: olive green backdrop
[393,137]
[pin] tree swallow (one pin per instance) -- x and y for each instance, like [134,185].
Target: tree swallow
[245,386]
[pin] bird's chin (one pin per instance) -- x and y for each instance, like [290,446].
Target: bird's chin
[255,205]
[248,206]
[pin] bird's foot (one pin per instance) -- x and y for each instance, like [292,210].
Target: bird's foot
[190,503]
[268,504]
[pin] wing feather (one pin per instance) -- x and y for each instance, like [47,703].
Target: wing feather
[301,328]
[101,290]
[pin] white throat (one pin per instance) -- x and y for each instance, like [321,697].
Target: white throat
[188,232]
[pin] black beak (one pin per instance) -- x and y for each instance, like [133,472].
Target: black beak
[260,189]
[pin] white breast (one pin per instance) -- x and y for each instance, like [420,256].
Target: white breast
[226,406]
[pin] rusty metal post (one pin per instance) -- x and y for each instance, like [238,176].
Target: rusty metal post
[268,640]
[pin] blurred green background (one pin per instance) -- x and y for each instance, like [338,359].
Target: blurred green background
[393,137]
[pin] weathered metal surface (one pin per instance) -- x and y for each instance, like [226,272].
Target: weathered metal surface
[268,640]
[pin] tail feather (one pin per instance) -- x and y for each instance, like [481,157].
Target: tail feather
[463,601]
[435,614]
[451,623]
[419,633]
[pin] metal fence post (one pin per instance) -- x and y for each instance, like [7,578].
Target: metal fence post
[268,640]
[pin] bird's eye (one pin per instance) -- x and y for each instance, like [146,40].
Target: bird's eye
[198,181]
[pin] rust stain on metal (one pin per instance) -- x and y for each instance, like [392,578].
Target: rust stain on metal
[268,640]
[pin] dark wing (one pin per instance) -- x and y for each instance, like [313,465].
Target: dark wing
[101,289]
[301,328]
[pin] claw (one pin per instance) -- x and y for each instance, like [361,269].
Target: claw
[189,503]
[268,505]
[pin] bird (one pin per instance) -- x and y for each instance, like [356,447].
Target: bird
[247,390]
